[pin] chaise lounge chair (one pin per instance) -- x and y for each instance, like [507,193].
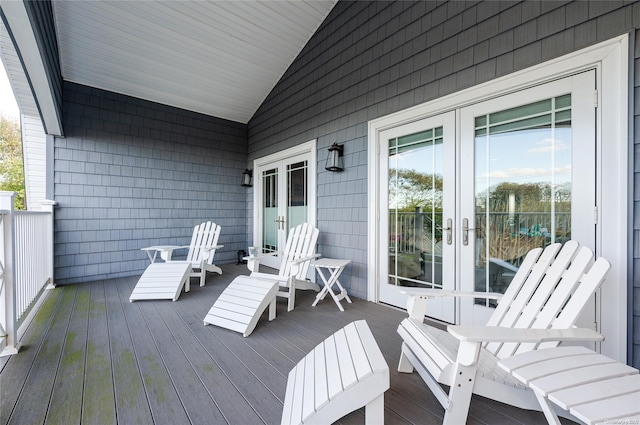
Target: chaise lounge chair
[245,299]
[165,280]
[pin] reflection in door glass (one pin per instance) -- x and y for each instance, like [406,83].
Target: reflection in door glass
[522,187]
[415,209]
[270,210]
[296,194]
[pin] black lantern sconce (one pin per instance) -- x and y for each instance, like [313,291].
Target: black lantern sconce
[246,177]
[335,159]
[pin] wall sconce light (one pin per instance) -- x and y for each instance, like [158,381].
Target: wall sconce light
[335,159]
[246,177]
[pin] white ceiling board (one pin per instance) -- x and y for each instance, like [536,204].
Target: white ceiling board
[219,58]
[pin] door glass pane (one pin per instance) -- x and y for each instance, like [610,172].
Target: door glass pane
[297,202]
[522,186]
[415,209]
[270,210]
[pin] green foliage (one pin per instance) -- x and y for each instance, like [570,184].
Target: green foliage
[409,189]
[530,197]
[11,163]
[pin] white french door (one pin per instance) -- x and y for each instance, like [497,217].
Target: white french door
[284,196]
[465,194]
[418,181]
[527,179]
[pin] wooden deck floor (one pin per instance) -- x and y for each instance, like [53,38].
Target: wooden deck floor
[92,357]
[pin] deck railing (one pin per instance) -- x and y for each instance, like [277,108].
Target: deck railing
[26,266]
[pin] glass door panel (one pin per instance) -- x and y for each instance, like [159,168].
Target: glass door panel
[270,217]
[418,242]
[522,182]
[297,193]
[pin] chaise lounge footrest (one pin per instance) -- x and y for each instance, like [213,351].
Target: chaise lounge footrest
[162,281]
[344,373]
[241,304]
[592,387]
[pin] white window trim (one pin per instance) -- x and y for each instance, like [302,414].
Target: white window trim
[610,58]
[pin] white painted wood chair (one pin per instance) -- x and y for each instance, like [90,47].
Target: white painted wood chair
[343,373]
[202,249]
[538,310]
[296,258]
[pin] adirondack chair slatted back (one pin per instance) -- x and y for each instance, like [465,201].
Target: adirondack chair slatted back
[549,290]
[204,235]
[301,243]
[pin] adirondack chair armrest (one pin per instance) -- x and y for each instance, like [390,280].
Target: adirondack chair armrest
[253,262]
[500,334]
[305,259]
[472,337]
[166,251]
[417,298]
[211,248]
[296,264]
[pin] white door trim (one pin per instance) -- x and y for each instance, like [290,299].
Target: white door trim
[610,59]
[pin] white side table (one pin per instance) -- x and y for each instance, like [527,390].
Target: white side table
[334,267]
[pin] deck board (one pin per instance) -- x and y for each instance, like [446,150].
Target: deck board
[66,400]
[132,405]
[99,404]
[93,357]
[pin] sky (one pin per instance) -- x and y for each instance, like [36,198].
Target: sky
[8,106]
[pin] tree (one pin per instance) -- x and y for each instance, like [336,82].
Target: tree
[11,163]
[409,189]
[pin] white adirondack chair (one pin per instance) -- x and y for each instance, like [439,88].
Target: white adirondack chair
[296,258]
[538,310]
[202,249]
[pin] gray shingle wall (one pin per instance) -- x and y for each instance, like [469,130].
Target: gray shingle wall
[369,59]
[132,173]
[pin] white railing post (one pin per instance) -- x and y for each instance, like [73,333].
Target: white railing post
[7,290]
[47,205]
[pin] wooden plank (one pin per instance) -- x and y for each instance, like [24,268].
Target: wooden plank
[308,386]
[99,401]
[132,405]
[321,392]
[195,399]
[258,396]
[227,399]
[334,383]
[29,408]
[66,400]
[14,374]
[595,391]
[357,352]
[163,399]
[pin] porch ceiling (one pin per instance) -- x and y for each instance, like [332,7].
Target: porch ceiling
[219,58]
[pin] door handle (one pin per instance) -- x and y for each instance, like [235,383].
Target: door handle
[280,221]
[449,230]
[465,231]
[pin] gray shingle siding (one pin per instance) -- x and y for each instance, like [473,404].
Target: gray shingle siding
[370,59]
[132,173]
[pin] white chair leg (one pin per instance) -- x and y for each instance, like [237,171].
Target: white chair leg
[272,309]
[374,411]
[460,395]
[404,365]
[292,298]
